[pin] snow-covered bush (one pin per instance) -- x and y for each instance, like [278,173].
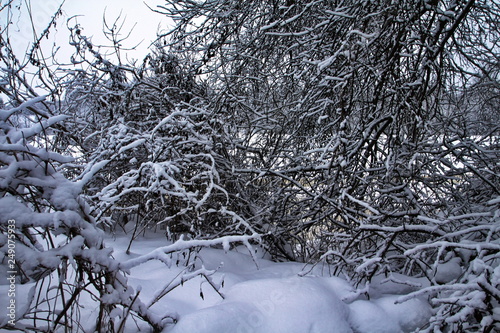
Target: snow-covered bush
[458,256]
[59,250]
[162,143]
[50,238]
[357,131]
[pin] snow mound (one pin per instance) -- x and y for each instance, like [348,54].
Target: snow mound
[409,315]
[261,296]
[367,316]
[448,271]
[384,315]
[287,305]
[303,305]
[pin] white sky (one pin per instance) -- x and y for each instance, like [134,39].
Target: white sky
[135,12]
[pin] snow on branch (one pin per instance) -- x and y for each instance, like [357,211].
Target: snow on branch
[181,245]
[5,114]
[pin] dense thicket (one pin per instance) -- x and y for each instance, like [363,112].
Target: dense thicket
[348,113]
[363,134]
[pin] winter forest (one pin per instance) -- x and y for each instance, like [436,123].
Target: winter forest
[271,166]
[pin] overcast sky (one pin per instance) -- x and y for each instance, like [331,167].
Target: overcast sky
[135,12]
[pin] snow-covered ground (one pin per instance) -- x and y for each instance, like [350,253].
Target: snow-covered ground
[255,295]
[266,296]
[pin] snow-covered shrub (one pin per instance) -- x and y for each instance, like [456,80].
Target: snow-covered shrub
[59,252]
[458,256]
[49,235]
[354,133]
[451,238]
[162,144]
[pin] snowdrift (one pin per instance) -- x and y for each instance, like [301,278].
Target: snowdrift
[268,297]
